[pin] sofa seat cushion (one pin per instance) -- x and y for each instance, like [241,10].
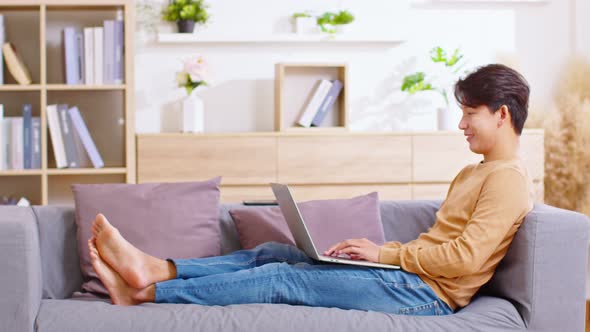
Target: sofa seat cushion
[483,314]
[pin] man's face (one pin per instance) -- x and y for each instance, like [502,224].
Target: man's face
[480,127]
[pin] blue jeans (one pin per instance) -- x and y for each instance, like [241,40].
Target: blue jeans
[278,273]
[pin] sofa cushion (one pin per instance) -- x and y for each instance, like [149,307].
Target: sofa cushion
[166,220]
[328,221]
[484,314]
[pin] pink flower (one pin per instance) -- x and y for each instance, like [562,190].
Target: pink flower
[197,68]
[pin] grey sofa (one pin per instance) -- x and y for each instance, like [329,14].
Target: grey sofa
[539,286]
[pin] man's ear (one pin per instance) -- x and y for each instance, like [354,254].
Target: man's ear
[504,113]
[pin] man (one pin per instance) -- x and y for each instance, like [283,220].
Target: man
[441,269]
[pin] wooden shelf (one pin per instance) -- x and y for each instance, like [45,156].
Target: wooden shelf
[78,171]
[17,87]
[276,38]
[70,87]
[36,26]
[21,172]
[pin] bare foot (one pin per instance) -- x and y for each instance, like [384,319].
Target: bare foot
[137,268]
[118,289]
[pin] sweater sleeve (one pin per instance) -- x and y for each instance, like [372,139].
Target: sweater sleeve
[502,202]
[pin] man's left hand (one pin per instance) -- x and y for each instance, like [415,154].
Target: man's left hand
[362,249]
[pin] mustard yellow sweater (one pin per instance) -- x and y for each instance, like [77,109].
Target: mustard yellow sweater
[485,205]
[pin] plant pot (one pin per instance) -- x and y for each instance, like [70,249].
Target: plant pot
[304,25]
[186,26]
[445,119]
[193,114]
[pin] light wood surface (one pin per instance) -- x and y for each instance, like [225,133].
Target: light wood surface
[320,165]
[108,110]
[344,159]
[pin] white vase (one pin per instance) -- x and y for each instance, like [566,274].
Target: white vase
[193,114]
[445,119]
[304,25]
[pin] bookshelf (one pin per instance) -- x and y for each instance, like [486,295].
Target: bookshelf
[294,84]
[35,28]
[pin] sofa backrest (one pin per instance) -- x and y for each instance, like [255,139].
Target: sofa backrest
[550,242]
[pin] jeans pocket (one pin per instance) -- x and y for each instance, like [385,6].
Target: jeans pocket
[426,309]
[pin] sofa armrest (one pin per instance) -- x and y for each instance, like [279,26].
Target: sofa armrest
[20,269]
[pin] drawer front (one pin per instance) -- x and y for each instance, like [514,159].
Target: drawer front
[344,159]
[240,160]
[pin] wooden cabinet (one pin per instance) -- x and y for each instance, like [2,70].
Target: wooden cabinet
[321,165]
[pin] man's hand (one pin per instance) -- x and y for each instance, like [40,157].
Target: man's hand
[357,249]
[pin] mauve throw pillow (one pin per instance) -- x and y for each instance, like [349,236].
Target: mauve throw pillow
[328,221]
[165,220]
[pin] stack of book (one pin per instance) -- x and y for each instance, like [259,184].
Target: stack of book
[12,200]
[320,102]
[20,140]
[94,55]
[72,144]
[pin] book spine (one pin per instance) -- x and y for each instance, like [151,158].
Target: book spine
[85,137]
[109,51]
[17,143]
[70,60]
[314,103]
[67,137]
[89,55]
[55,133]
[119,51]
[27,135]
[36,142]
[80,63]
[7,137]
[98,55]
[327,104]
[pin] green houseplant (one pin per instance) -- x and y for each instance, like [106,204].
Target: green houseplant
[449,66]
[330,22]
[186,13]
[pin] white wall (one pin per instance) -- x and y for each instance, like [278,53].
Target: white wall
[535,38]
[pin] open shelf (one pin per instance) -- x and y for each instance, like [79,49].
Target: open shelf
[189,38]
[294,86]
[35,27]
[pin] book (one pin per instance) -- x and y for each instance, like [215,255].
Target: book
[317,96]
[16,153]
[98,55]
[89,55]
[327,103]
[84,135]
[6,138]
[56,136]
[70,49]
[27,136]
[2,40]
[15,64]
[36,155]
[109,52]
[119,51]
[67,136]
[80,56]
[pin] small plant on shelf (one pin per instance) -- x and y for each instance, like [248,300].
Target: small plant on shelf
[331,22]
[186,13]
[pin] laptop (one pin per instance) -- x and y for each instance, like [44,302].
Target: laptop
[302,238]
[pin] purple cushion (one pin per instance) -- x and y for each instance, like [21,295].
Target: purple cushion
[328,221]
[165,220]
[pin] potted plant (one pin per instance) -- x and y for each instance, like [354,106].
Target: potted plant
[331,22]
[304,22]
[449,71]
[193,74]
[186,13]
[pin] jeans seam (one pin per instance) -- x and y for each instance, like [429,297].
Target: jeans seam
[280,258]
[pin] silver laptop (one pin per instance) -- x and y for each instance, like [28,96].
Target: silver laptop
[301,235]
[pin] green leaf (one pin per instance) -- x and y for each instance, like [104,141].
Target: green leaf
[437,54]
[454,58]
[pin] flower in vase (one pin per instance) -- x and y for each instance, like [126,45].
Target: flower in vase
[194,73]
